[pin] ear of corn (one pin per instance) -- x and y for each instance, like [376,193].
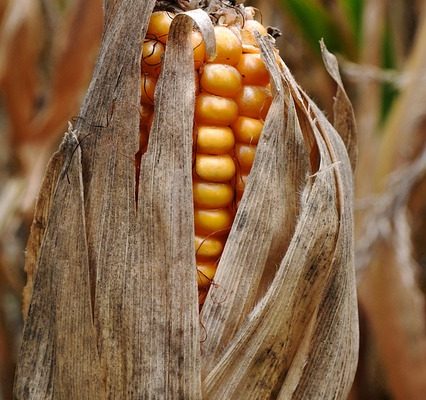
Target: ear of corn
[230,109]
[280,319]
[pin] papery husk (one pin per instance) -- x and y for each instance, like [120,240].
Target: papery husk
[114,309]
[315,277]
[58,357]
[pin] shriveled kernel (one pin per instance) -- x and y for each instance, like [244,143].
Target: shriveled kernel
[245,155]
[148,83]
[228,46]
[221,80]
[214,110]
[212,194]
[254,101]
[159,25]
[208,247]
[253,70]
[209,222]
[220,168]
[152,56]
[247,130]
[215,139]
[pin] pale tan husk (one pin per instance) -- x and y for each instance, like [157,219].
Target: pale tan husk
[114,311]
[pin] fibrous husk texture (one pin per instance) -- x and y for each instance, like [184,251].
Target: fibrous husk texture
[114,310]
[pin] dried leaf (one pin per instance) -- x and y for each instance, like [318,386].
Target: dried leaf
[329,371]
[408,113]
[316,275]
[39,224]
[57,341]
[344,117]
[109,183]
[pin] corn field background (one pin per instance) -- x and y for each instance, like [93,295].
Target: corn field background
[47,53]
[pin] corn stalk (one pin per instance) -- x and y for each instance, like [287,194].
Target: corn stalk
[114,310]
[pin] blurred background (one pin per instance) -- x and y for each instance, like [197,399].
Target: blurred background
[47,53]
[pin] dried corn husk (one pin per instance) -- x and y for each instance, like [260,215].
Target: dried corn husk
[114,310]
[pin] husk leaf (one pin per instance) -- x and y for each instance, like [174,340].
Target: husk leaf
[57,342]
[344,116]
[257,360]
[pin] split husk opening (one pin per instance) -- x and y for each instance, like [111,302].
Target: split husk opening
[114,309]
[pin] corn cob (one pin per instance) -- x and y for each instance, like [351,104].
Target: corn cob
[232,100]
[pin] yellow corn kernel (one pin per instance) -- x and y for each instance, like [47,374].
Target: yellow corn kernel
[152,55]
[247,33]
[212,195]
[228,46]
[215,139]
[240,184]
[254,101]
[159,26]
[146,113]
[209,222]
[148,83]
[253,70]
[245,155]
[221,80]
[247,130]
[199,49]
[220,168]
[214,110]
[202,295]
[208,247]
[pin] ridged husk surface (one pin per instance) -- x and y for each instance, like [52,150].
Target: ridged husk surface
[114,309]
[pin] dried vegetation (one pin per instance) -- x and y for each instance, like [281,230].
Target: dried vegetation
[42,85]
[128,273]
